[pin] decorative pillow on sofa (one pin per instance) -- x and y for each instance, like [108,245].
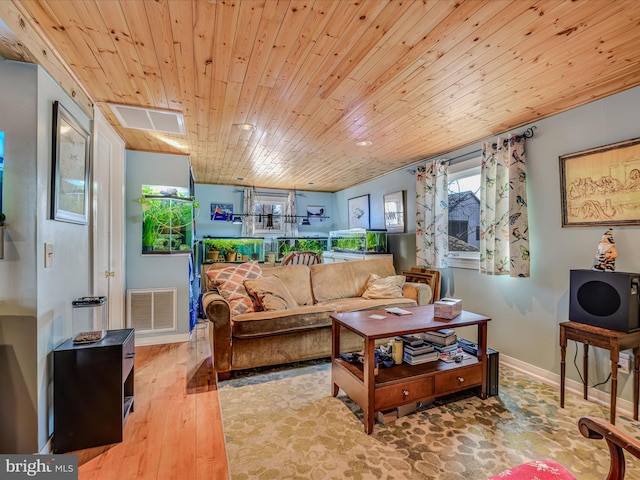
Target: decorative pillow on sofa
[229,282]
[384,287]
[270,293]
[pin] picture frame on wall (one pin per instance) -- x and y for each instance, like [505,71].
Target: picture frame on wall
[70,168]
[395,215]
[316,213]
[601,186]
[359,215]
[221,212]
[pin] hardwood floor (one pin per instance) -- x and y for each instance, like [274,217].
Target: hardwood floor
[175,431]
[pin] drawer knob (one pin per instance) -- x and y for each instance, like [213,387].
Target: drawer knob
[461,379]
[130,355]
[405,393]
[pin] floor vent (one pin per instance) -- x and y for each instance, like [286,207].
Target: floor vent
[152,310]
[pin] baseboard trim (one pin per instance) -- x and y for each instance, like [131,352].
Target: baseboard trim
[162,339]
[623,407]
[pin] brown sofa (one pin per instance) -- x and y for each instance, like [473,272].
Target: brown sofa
[302,333]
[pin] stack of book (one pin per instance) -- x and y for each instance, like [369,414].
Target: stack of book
[441,338]
[417,354]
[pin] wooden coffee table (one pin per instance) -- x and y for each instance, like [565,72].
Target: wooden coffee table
[403,384]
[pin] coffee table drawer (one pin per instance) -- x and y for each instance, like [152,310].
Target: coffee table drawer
[394,395]
[459,379]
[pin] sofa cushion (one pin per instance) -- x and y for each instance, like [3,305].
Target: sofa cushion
[297,279]
[270,293]
[355,304]
[230,284]
[346,279]
[384,287]
[262,324]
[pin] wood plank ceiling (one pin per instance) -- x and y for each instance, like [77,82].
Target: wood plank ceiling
[416,78]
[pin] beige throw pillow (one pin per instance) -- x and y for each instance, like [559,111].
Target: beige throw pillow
[270,293]
[384,287]
[229,282]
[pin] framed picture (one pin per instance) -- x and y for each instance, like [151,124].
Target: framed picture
[316,213]
[394,212]
[601,186]
[222,212]
[70,172]
[359,212]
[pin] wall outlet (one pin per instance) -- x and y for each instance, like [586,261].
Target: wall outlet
[624,363]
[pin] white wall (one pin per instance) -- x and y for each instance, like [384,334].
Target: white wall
[34,300]
[526,311]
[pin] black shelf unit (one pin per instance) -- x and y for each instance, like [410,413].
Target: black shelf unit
[92,391]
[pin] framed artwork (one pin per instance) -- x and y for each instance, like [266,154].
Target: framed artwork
[359,212]
[394,213]
[70,172]
[316,213]
[222,212]
[601,186]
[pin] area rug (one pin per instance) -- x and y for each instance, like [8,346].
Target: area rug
[284,424]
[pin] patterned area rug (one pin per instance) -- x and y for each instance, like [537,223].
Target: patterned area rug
[284,424]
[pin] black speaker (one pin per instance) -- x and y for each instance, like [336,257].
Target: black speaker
[493,364]
[605,299]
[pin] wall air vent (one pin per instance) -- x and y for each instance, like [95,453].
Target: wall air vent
[153,119]
[152,310]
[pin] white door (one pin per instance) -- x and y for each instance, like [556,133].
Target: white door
[108,219]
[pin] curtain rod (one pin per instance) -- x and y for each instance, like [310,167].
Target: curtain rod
[274,194]
[528,133]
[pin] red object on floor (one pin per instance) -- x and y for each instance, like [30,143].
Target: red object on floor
[536,470]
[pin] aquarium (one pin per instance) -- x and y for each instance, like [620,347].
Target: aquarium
[167,220]
[296,244]
[232,249]
[358,240]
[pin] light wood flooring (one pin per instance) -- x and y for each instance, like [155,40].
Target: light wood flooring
[175,431]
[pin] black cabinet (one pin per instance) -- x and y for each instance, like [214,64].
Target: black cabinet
[92,391]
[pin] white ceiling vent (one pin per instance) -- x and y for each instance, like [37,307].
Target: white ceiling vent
[167,121]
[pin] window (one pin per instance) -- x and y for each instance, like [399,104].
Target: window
[464,214]
[268,213]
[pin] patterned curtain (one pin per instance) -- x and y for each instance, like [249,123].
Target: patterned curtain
[432,214]
[249,221]
[289,218]
[504,224]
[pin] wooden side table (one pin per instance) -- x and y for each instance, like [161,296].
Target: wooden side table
[611,340]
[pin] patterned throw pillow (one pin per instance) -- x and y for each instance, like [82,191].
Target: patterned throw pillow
[270,293]
[384,287]
[230,284]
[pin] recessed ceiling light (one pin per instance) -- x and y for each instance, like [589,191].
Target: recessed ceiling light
[310,183]
[240,178]
[363,143]
[246,126]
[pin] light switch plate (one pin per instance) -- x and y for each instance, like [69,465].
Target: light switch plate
[48,255]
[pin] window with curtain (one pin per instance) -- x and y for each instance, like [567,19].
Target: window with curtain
[476,217]
[268,215]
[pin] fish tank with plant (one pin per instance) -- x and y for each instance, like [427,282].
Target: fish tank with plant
[296,244]
[167,219]
[358,240]
[232,249]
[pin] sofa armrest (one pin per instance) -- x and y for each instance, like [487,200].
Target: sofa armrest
[218,312]
[420,292]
